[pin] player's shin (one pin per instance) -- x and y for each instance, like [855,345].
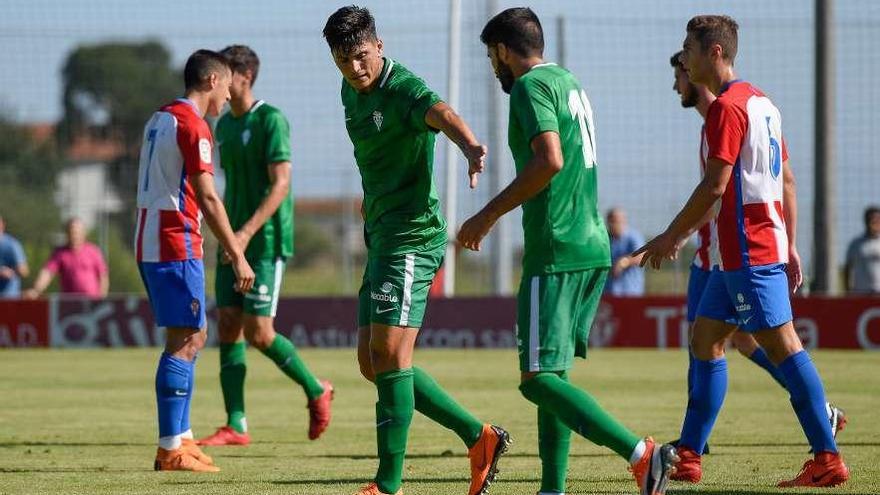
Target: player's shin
[432,401]
[283,353]
[172,391]
[233,370]
[704,403]
[808,400]
[394,413]
[554,441]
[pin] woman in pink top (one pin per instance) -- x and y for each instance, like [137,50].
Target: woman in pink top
[79,264]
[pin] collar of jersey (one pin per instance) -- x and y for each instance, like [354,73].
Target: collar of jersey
[727,85]
[192,105]
[543,64]
[386,71]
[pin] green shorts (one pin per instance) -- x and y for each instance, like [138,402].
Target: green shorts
[262,299]
[553,317]
[395,288]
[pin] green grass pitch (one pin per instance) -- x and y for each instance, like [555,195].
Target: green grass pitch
[83,422]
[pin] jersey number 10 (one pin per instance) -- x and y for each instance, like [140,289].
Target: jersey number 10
[580,109]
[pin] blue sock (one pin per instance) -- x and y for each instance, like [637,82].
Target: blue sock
[704,402]
[691,360]
[184,421]
[760,358]
[172,391]
[808,400]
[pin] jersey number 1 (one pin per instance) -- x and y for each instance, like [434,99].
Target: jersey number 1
[580,109]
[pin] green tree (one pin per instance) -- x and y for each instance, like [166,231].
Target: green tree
[110,90]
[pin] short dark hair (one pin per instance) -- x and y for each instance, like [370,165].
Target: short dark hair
[241,59]
[715,29]
[348,27]
[675,60]
[870,211]
[518,28]
[200,65]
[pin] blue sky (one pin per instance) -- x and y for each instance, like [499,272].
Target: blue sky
[647,144]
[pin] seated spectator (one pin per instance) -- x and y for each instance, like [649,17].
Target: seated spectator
[627,278]
[862,269]
[79,264]
[13,264]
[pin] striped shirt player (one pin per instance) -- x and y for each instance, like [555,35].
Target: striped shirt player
[744,129]
[168,240]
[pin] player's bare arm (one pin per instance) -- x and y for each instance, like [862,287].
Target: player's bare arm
[279,177]
[546,162]
[215,215]
[789,212]
[666,245]
[443,118]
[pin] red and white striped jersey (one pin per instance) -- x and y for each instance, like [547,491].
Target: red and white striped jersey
[707,256]
[744,129]
[177,145]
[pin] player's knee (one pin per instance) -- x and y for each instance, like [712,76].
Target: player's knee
[744,343]
[259,333]
[367,371]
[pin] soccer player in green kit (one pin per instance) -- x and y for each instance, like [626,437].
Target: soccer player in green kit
[566,256]
[392,118]
[254,142]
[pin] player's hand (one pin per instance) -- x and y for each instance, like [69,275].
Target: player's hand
[476,156]
[6,272]
[663,247]
[243,239]
[244,275]
[793,270]
[30,294]
[474,230]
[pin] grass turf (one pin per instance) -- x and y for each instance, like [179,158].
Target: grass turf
[83,421]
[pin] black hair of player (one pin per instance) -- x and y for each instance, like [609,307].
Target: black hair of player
[675,60]
[519,29]
[870,211]
[241,59]
[200,65]
[349,27]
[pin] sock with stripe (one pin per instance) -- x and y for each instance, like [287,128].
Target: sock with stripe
[172,392]
[233,370]
[554,441]
[579,411]
[432,401]
[704,402]
[691,359]
[186,430]
[394,412]
[808,400]
[283,353]
[760,358]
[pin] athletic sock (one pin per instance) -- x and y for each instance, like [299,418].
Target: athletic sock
[394,412]
[554,440]
[432,401]
[808,400]
[172,390]
[691,360]
[579,411]
[704,402]
[283,353]
[233,369]
[760,358]
[184,419]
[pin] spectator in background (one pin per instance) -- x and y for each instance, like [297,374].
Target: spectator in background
[79,263]
[627,278]
[862,270]
[13,264]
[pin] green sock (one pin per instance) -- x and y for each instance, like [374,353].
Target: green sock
[233,368]
[436,404]
[580,412]
[394,412]
[554,440]
[283,353]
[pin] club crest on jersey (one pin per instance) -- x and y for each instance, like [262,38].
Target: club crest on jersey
[245,137]
[377,119]
[194,306]
[205,150]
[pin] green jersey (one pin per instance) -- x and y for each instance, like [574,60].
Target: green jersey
[563,228]
[394,151]
[248,145]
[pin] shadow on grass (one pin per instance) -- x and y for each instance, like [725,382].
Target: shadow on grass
[749,491]
[60,469]
[75,444]
[361,457]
